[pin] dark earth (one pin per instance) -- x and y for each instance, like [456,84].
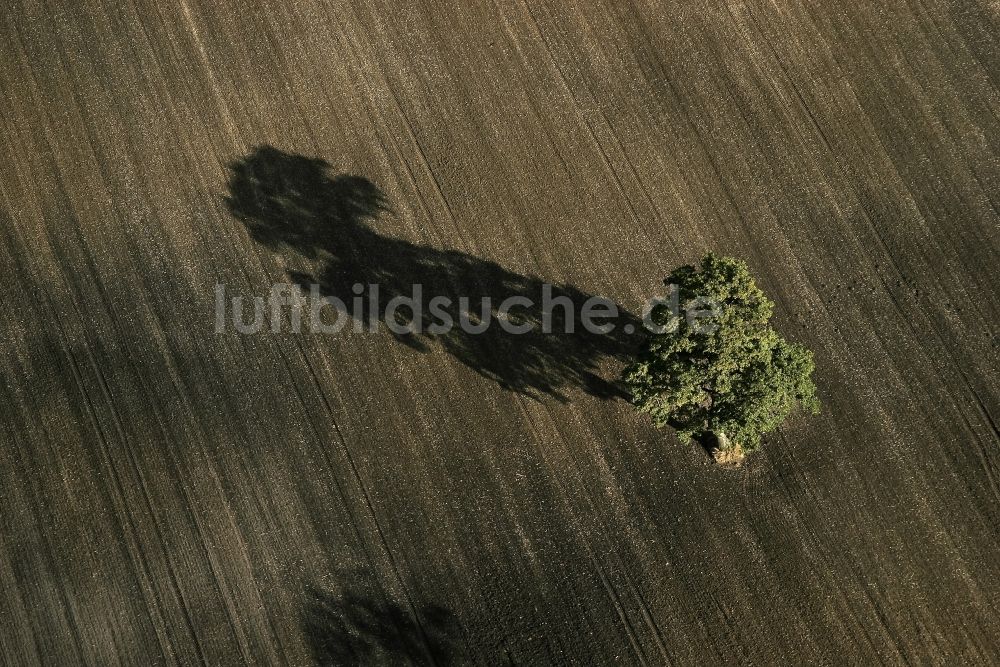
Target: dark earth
[173,495]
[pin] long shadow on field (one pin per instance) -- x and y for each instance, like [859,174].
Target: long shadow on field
[353,629]
[291,202]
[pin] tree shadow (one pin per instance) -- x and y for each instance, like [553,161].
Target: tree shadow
[290,202]
[707,441]
[354,629]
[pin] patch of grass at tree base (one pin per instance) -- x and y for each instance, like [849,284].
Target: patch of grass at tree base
[730,457]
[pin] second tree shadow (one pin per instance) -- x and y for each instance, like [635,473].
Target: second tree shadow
[356,629]
[289,201]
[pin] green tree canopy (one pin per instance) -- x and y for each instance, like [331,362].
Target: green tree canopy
[729,375]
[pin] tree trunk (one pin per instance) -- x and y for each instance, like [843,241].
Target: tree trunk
[721,440]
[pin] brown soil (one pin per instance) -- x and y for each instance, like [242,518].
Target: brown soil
[170,495]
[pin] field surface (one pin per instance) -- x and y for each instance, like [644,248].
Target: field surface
[173,495]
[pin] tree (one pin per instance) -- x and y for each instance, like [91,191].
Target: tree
[730,377]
